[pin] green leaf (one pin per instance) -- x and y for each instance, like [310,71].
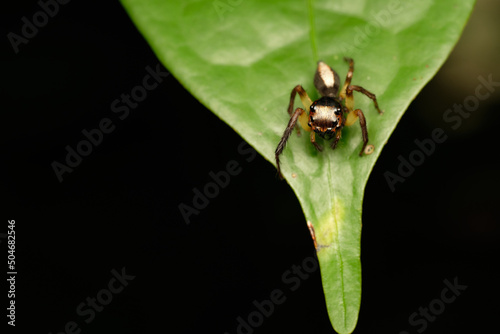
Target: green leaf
[242,58]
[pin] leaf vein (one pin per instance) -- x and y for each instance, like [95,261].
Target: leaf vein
[312,30]
[336,245]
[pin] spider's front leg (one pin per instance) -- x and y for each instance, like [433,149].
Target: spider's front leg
[315,144]
[306,102]
[336,140]
[299,115]
[288,131]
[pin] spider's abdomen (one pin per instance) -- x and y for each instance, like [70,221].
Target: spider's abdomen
[326,80]
[326,116]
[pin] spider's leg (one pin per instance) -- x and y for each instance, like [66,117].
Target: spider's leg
[353,114]
[348,78]
[306,101]
[360,89]
[346,92]
[336,140]
[351,118]
[313,141]
[288,131]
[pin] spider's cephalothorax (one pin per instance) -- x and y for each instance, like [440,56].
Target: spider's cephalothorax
[327,115]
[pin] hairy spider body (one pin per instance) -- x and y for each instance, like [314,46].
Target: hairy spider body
[327,115]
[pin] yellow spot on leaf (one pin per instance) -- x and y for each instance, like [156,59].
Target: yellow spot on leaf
[330,224]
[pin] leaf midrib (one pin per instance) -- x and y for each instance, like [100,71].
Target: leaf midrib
[338,253]
[312,30]
[336,241]
[331,192]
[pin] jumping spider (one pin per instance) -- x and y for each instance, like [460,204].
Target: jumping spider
[327,115]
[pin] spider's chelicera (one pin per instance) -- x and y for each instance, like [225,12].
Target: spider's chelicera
[327,115]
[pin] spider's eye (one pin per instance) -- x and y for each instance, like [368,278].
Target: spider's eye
[312,107]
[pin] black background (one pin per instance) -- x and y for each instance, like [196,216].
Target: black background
[119,207]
